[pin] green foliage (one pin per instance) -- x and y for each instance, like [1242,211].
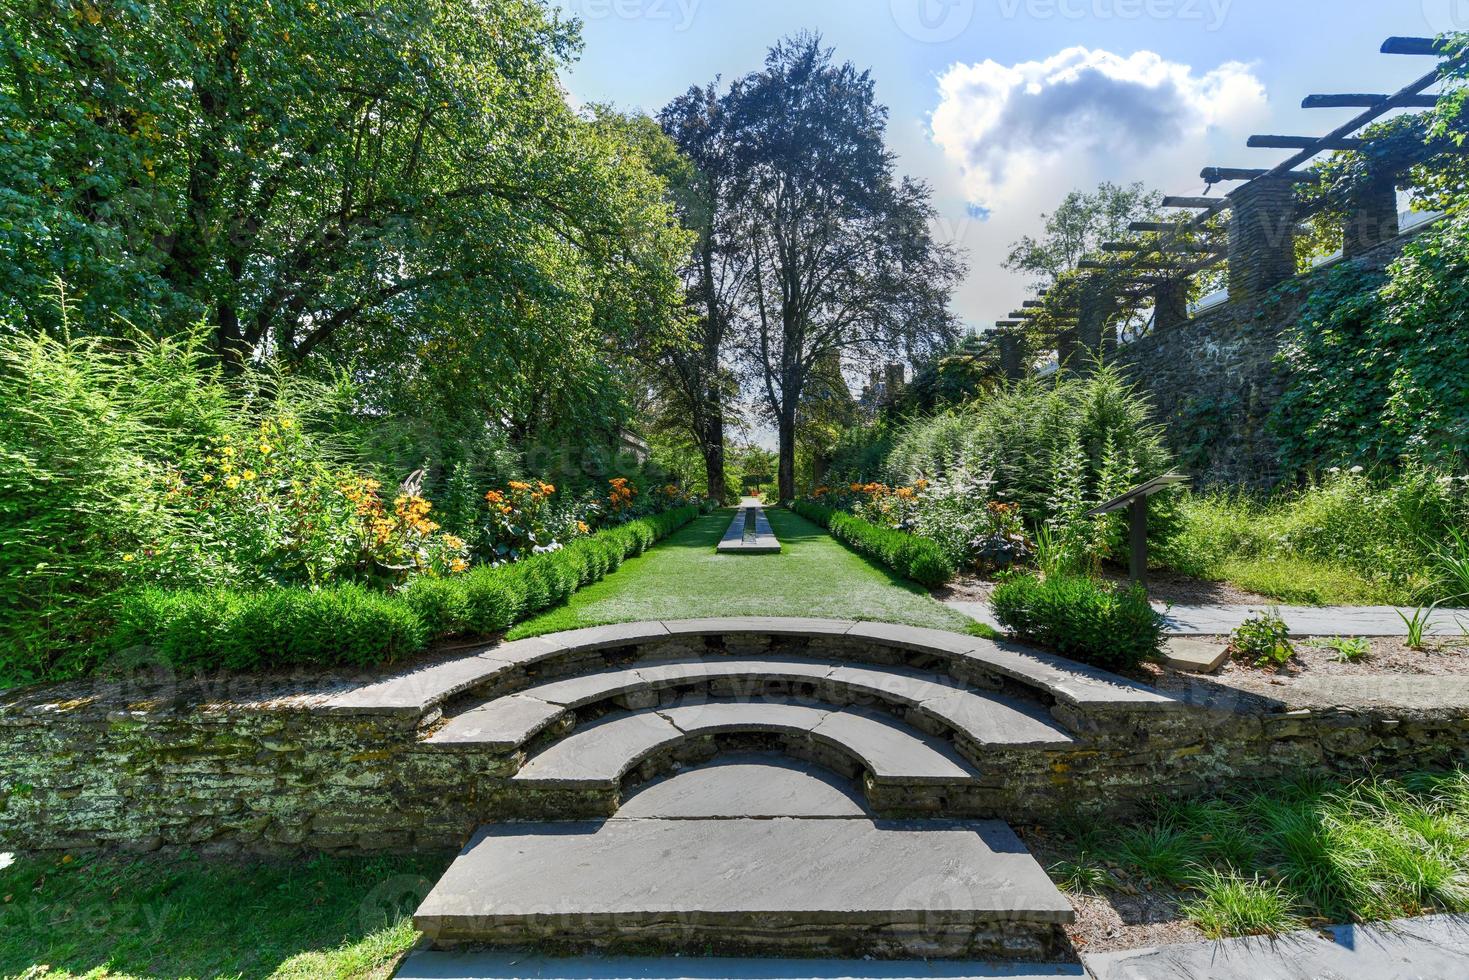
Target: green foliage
[1232,906]
[1082,619]
[911,556]
[225,629]
[1375,365]
[1348,649]
[1080,225]
[1263,860]
[172,160]
[1054,447]
[1263,639]
[78,915]
[1351,537]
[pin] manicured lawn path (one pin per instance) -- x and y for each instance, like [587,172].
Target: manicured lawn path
[683,578]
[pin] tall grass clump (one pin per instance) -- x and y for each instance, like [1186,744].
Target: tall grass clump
[1348,537]
[1268,858]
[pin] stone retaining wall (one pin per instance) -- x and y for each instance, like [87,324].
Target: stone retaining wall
[109,771]
[1213,378]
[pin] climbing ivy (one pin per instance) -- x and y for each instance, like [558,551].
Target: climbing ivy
[1376,367]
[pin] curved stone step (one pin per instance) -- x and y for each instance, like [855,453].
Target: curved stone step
[846,887]
[599,755]
[745,784]
[985,719]
[421,689]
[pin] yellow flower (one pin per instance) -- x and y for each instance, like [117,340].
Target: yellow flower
[458,565]
[248,475]
[128,557]
[208,477]
[286,423]
[265,449]
[581,527]
[232,482]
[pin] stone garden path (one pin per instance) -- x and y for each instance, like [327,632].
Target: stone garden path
[1220,620]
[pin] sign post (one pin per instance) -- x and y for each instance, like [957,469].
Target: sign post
[1135,502]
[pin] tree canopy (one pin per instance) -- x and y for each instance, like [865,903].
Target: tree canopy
[404,192]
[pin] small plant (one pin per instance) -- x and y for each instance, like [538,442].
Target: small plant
[1234,906]
[1348,650]
[1082,618]
[1263,639]
[1083,875]
[1417,623]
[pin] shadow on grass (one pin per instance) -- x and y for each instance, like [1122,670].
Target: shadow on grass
[180,916]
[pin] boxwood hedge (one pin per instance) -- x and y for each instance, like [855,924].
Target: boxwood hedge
[231,629]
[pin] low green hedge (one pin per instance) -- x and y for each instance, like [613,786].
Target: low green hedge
[911,556]
[1082,619]
[210,629]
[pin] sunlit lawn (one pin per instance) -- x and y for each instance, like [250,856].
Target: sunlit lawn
[182,917]
[685,578]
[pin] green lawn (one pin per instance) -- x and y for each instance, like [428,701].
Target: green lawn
[181,917]
[684,578]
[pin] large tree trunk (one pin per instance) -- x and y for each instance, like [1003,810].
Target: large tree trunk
[712,444]
[787,468]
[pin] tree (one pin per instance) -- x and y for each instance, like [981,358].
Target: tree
[715,279]
[1079,226]
[842,258]
[402,190]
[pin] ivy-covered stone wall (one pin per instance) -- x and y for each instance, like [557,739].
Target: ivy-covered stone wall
[1214,381]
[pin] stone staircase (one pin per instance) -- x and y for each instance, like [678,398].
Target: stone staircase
[777,787]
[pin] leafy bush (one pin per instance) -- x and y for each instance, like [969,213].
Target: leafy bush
[233,629]
[1082,618]
[1349,537]
[272,628]
[909,555]
[1263,639]
[1054,447]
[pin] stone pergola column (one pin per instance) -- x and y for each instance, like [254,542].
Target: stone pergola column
[1011,355]
[1092,322]
[1262,238]
[1373,218]
[1170,304]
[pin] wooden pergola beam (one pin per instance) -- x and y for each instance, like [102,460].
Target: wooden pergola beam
[1033,304]
[1203,203]
[1163,226]
[1216,175]
[1427,46]
[1304,143]
[1147,247]
[1365,101]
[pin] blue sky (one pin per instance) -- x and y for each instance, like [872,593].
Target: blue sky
[1004,105]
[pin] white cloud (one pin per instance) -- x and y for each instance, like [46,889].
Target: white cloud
[1018,138]
[1007,125]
